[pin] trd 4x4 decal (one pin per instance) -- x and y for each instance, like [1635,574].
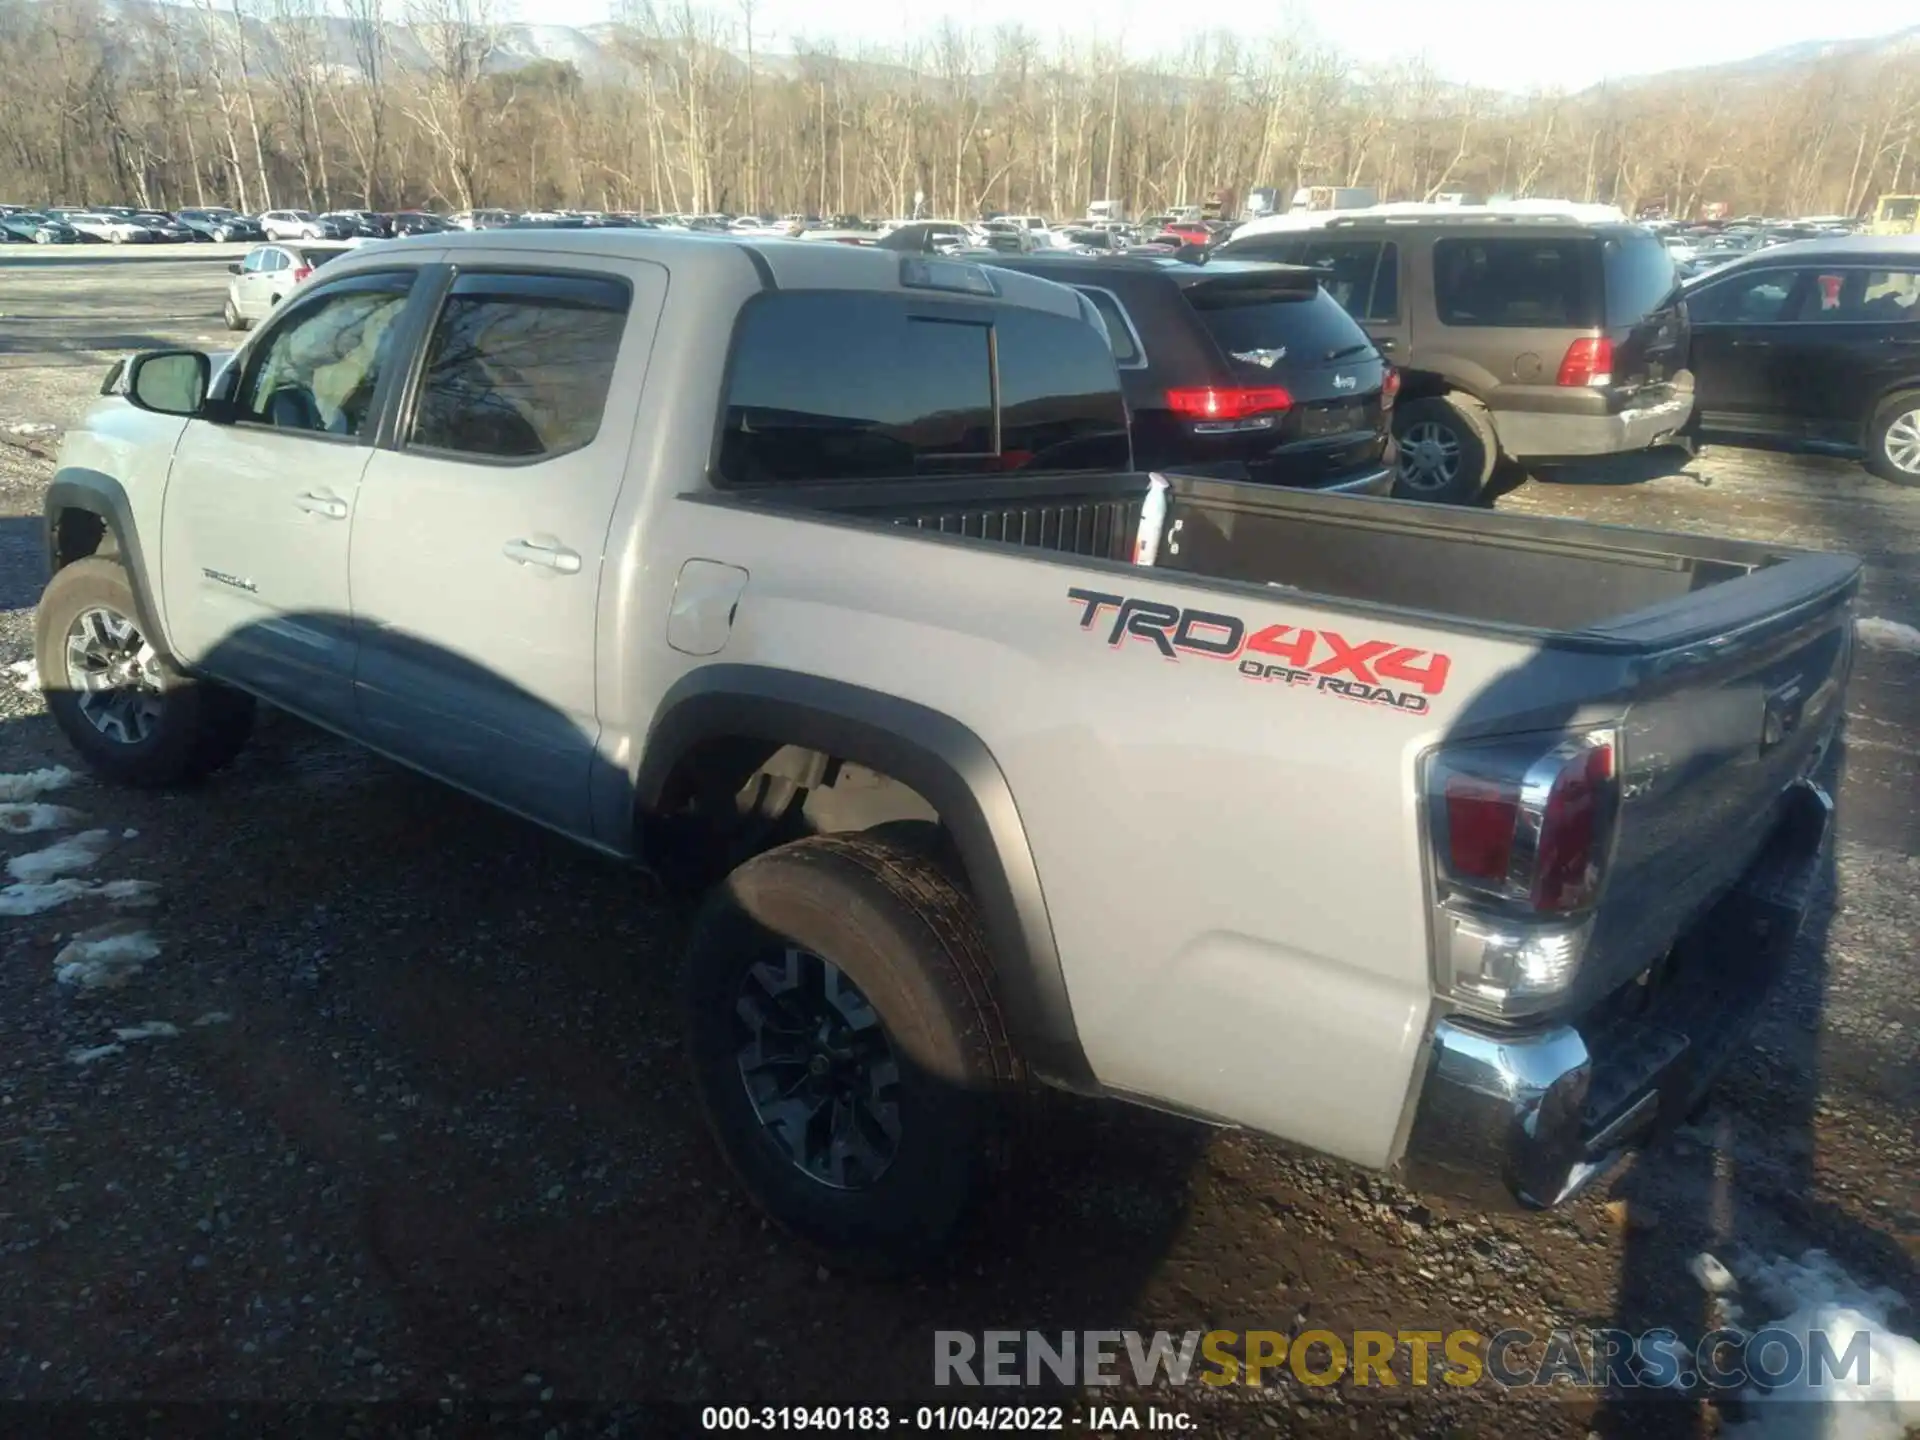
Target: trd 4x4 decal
[1375,672]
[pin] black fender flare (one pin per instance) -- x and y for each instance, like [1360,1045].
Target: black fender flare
[75,487]
[950,766]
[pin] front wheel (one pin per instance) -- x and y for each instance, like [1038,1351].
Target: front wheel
[232,316]
[1447,449]
[1893,440]
[848,1044]
[132,715]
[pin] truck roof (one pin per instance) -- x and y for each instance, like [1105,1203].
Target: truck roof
[783,264]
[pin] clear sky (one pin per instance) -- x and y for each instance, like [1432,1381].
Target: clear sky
[1507,44]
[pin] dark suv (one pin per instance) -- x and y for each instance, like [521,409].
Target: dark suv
[1524,336]
[1237,370]
[1815,344]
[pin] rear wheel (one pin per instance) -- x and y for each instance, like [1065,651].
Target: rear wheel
[1447,449]
[848,1044]
[131,714]
[1893,440]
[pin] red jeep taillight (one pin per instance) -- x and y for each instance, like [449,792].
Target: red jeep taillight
[1228,403]
[1389,388]
[1588,362]
[1520,832]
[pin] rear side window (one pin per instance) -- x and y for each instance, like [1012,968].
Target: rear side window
[1119,332]
[913,388]
[518,365]
[1890,295]
[1549,281]
[1639,273]
[1251,324]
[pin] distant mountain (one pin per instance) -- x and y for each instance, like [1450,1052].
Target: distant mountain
[594,50]
[1770,65]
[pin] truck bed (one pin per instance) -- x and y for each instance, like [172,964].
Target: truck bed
[1516,573]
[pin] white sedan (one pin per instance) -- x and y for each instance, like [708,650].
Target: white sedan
[111,229]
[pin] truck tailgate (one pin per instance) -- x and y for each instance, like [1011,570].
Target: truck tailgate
[1736,693]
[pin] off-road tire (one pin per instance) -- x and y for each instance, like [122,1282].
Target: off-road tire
[1466,422]
[898,927]
[201,726]
[1896,407]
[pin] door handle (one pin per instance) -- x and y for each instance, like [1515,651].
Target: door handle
[552,557]
[330,506]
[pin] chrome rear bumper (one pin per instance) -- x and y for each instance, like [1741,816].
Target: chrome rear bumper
[1530,1117]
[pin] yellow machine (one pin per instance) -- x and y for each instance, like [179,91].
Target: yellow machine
[1896,215]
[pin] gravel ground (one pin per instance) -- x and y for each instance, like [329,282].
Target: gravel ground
[423,1133]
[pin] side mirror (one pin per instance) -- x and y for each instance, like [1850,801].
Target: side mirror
[169,382]
[234,268]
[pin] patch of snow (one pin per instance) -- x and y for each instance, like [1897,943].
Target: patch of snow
[32,427]
[105,958]
[152,1030]
[1714,1277]
[86,1056]
[129,834]
[26,675]
[17,900]
[1818,1296]
[34,783]
[77,852]
[212,1017]
[1887,634]
[29,818]
[133,894]
[33,899]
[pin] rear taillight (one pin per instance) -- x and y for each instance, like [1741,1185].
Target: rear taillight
[1228,403]
[302,273]
[1520,834]
[1389,388]
[1589,361]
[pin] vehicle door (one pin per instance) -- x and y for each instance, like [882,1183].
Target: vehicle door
[246,285]
[255,522]
[1742,345]
[479,538]
[1858,338]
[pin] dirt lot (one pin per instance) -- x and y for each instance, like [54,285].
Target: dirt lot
[423,1133]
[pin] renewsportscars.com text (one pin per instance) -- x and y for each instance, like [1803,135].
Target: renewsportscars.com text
[1726,1359]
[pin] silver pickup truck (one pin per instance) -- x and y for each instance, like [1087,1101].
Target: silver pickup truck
[1458,844]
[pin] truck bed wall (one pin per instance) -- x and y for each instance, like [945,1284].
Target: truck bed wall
[1093,516]
[1392,554]
[1463,565]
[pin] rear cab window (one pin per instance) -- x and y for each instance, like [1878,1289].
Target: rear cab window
[917,387]
[1518,281]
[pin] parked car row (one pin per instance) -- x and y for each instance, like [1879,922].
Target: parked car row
[1538,337]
